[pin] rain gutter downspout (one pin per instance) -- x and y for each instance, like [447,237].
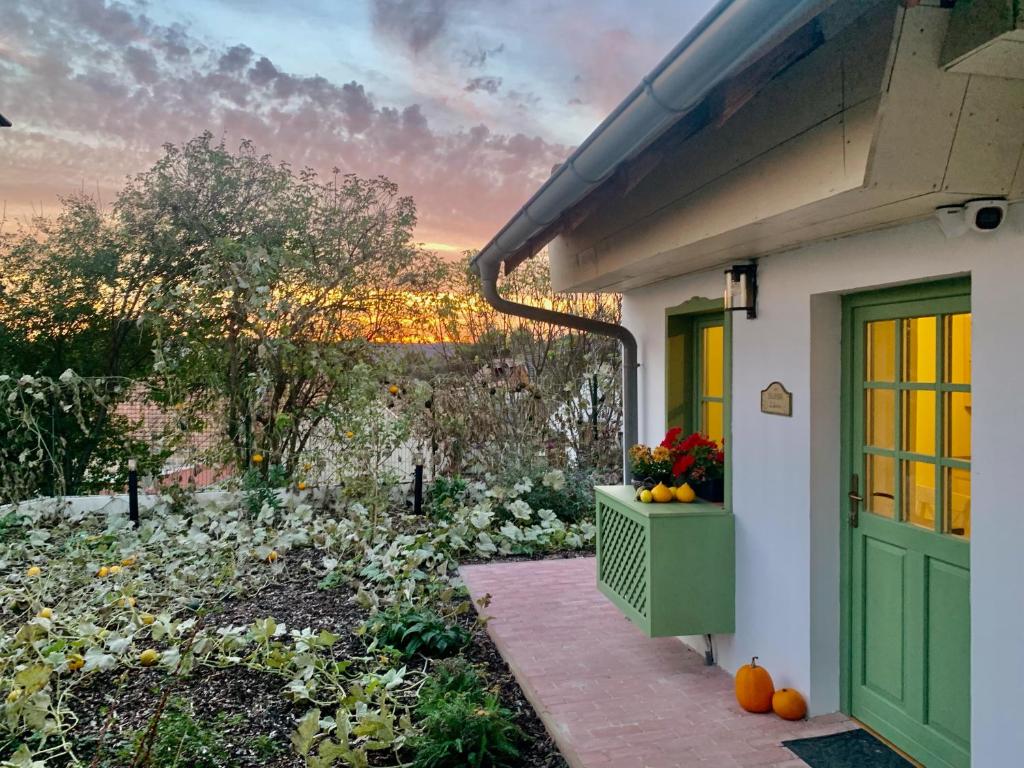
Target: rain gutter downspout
[489,289]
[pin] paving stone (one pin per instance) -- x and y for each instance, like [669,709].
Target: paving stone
[612,697]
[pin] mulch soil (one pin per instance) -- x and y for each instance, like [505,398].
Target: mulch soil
[253,717]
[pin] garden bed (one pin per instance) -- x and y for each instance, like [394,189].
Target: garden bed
[294,632]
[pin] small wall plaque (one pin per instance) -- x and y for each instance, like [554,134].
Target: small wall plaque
[776,400]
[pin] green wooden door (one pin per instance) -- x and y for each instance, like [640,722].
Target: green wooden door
[908,512]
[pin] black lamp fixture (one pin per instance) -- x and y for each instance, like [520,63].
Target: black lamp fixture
[741,289]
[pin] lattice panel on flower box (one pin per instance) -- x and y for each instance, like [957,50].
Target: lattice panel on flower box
[670,568]
[623,564]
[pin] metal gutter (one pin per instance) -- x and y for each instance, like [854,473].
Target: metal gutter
[731,37]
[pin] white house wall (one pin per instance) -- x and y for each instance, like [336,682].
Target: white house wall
[786,484]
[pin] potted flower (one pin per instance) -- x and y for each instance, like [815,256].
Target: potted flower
[699,461]
[651,466]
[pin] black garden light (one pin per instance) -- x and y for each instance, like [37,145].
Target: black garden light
[741,289]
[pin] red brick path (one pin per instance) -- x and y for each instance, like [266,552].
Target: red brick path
[611,697]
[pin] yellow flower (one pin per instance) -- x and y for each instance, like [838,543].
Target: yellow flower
[393,389]
[302,485]
[257,458]
[350,434]
[34,571]
[661,453]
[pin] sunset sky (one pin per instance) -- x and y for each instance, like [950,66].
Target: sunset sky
[467,104]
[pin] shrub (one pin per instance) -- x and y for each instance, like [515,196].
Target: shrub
[466,729]
[448,677]
[411,630]
[181,740]
[445,495]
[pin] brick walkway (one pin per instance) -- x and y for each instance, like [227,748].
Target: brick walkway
[611,697]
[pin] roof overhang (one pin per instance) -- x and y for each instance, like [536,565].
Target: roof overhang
[732,38]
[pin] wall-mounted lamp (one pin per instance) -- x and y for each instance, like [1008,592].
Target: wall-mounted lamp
[741,289]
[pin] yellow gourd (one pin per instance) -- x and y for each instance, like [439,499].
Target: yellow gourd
[685,494]
[661,493]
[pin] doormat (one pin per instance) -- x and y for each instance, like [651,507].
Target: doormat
[850,749]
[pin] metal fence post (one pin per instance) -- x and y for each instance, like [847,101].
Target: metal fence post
[133,492]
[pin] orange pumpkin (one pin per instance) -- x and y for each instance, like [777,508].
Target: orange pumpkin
[754,687]
[789,704]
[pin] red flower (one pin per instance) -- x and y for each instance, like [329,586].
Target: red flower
[671,436]
[682,464]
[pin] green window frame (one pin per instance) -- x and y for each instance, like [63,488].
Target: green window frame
[684,392]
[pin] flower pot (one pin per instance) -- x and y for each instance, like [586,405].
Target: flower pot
[710,490]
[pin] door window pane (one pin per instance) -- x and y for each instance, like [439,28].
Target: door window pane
[881,351]
[880,418]
[919,493]
[919,422]
[958,425]
[958,501]
[919,349]
[958,349]
[881,485]
[713,345]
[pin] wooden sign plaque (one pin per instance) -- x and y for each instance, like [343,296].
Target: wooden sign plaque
[776,400]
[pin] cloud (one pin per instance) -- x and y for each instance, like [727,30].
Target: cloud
[95,93]
[477,58]
[414,23]
[485,83]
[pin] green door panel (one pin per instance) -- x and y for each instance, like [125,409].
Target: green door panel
[906,593]
[949,649]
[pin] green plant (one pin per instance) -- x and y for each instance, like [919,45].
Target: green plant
[262,488]
[466,729]
[266,746]
[447,677]
[181,740]
[444,496]
[417,630]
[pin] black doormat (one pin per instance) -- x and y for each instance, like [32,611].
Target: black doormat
[850,749]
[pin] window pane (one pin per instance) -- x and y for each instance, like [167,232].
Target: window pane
[881,351]
[958,425]
[881,485]
[958,349]
[919,493]
[711,421]
[919,422]
[880,418]
[958,501]
[919,349]
[713,345]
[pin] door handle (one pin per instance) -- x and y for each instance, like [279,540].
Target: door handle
[855,500]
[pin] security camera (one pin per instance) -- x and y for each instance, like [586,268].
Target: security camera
[975,215]
[984,215]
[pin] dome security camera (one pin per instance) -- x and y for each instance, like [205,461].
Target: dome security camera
[982,216]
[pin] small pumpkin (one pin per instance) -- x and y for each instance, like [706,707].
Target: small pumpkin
[685,494]
[789,704]
[754,687]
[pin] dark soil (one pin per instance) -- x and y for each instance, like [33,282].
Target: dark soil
[247,708]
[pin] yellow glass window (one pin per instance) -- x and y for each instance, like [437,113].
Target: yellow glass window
[710,412]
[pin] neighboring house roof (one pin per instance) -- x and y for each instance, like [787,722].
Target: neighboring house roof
[734,35]
[4,122]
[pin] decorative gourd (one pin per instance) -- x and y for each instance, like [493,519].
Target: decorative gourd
[685,494]
[789,704]
[754,687]
[662,494]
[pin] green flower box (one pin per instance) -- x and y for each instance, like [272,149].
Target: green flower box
[670,568]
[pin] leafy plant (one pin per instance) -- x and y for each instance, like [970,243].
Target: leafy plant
[447,677]
[466,730]
[418,630]
[445,495]
[182,740]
